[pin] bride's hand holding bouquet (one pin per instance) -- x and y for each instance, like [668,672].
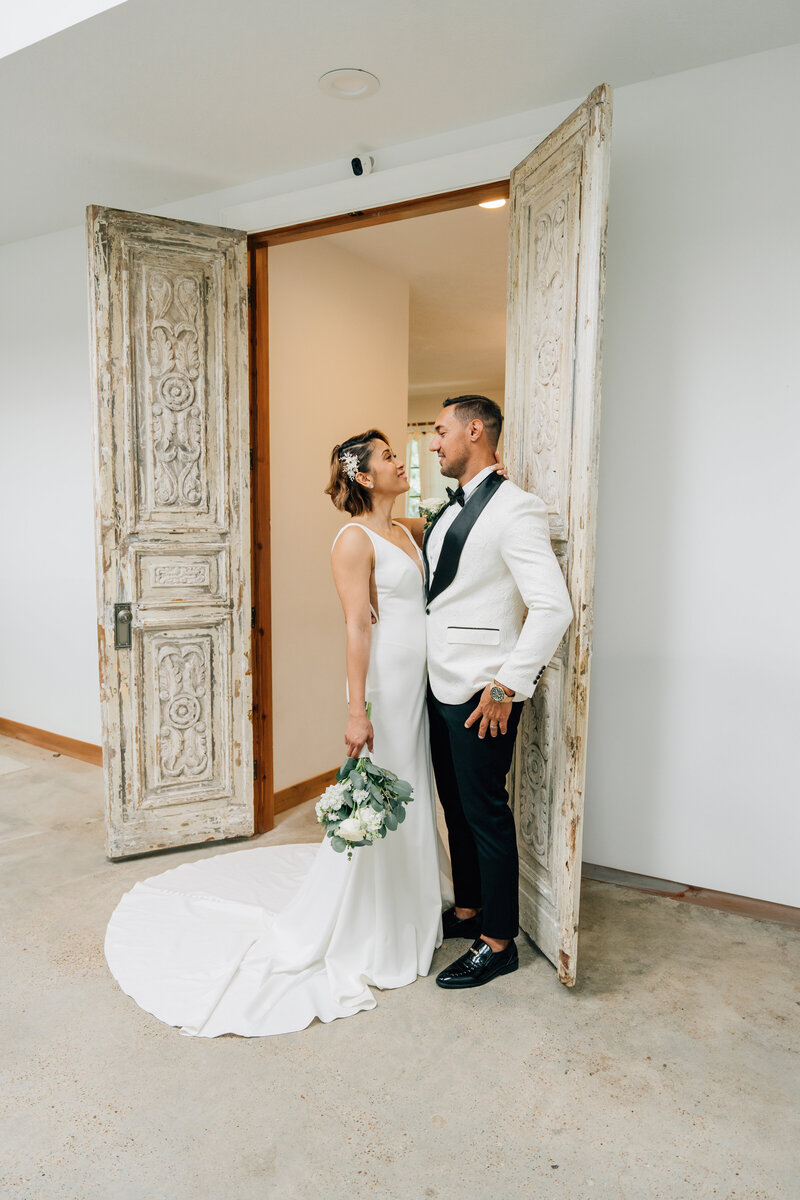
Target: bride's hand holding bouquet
[359,733]
[365,803]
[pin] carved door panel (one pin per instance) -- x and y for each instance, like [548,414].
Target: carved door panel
[559,205]
[168,305]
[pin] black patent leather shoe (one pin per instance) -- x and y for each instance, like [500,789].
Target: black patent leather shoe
[479,965]
[466,927]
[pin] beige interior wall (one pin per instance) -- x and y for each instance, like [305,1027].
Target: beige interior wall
[338,328]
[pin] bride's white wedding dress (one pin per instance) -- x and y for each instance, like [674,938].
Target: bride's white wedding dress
[262,941]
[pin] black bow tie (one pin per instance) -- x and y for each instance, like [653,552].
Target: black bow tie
[457,496]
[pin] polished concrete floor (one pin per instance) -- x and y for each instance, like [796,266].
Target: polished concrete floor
[670,1071]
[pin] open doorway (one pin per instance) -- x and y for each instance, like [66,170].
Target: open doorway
[174,588]
[368,327]
[456,266]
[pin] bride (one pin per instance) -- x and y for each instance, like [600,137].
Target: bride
[262,941]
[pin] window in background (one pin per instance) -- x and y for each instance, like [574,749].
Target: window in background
[414,494]
[422,467]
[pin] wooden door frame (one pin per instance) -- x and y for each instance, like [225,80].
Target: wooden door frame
[258,245]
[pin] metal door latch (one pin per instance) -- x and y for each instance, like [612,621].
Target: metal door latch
[123,618]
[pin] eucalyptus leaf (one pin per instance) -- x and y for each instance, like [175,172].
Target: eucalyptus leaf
[401,814]
[345,769]
[390,821]
[376,803]
[339,844]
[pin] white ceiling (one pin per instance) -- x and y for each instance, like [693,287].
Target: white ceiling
[23,25]
[455,263]
[158,100]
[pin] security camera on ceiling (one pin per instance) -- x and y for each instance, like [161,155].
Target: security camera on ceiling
[362,164]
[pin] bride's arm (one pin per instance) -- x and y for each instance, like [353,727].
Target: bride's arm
[414,525]
[351,561]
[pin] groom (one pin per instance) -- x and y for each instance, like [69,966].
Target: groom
[488,562]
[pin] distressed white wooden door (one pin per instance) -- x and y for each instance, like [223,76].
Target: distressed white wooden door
[558,217]
[168,308]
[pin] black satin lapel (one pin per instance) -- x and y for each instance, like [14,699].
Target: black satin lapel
[458,533]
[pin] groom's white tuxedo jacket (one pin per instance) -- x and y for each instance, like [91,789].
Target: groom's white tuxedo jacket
[495,566]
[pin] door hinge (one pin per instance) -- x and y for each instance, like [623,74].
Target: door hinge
[252,618]
[252,458]
[255,769]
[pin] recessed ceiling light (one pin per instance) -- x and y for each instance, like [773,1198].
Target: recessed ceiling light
[349,83]
[492,204]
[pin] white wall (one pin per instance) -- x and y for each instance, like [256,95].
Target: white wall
[338,328]
[694,709]
[48,638]
[693,712]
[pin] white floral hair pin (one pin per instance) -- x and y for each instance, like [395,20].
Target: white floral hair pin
[349,462]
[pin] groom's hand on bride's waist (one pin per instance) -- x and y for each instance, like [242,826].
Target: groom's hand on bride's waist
[492,714]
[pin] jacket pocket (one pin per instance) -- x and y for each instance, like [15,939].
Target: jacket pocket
[473,635]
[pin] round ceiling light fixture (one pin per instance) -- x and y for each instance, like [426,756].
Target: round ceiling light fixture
[349,83]
[492,204]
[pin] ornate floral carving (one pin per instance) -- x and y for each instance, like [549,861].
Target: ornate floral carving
[181,575]
[183,675]
[174,351]
[176,391]
[534,763]
[547,305]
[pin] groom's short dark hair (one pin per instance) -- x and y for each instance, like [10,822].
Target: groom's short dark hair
[479,408]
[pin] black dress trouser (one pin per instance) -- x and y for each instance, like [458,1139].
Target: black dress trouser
[471,782]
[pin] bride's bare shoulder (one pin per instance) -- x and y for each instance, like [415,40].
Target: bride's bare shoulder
[352,545]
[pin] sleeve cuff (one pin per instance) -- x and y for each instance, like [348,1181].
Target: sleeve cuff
[523,686]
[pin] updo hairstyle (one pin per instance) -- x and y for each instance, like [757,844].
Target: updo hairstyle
[348,494]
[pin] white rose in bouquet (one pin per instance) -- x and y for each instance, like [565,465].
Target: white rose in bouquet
[351,829]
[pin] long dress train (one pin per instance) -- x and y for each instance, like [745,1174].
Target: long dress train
[262,941]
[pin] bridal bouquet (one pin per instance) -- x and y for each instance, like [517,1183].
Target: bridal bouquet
[364,804]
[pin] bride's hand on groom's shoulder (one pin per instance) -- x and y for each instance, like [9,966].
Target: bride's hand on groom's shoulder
[501,467]
[358,733]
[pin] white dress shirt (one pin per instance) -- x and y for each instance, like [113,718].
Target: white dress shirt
[434,547]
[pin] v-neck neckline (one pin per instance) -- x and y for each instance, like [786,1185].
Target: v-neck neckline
[420,562]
